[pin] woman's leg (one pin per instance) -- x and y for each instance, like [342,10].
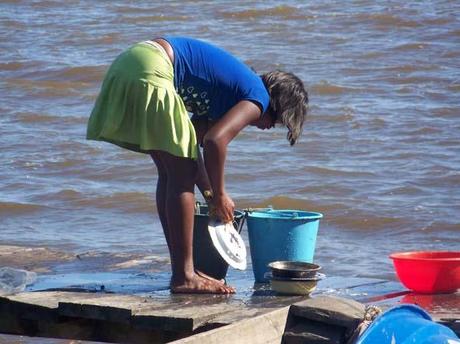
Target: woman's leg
[161,206]
[161,197]
[179,212]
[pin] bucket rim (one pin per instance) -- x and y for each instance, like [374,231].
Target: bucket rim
[432,256]
[296,214]
[236,213]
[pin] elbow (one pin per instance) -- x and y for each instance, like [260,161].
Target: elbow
[214,143]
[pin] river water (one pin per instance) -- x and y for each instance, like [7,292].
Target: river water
[379,157]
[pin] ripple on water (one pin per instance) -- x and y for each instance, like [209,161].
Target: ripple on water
[11,66]
[324,172]
[14,208]
[32,117]
[142,19]
[378,157]
[327,88]
[131,202]
[282,11]
[387,21]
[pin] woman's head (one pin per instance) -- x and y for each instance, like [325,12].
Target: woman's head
[288,100]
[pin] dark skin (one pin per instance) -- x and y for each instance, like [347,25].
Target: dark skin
[177,178]
[215,151]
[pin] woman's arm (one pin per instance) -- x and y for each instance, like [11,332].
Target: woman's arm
[201,125]
[215,151]
[202,180]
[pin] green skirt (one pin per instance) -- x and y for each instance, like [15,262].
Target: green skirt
[138,107]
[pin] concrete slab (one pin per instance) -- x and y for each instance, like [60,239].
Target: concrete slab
[139,315]
[265,328]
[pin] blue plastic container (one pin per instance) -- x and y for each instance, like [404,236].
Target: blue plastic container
[407,324]
[281,235]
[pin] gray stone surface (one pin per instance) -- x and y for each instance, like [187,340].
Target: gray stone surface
[131,318]
[330,310]
[267,328]
[313,332]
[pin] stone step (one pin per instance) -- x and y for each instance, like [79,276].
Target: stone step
[313,332]
[330,310]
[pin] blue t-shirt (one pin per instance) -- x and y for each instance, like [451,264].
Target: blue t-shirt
[210,81]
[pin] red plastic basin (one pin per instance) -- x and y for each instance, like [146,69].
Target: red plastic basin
[428,272]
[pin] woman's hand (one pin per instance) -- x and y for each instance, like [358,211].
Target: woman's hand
[223,207]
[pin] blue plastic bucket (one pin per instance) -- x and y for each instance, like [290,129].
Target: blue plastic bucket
[281,235]
[406,324]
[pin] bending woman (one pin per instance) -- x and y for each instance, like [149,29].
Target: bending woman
[144,105]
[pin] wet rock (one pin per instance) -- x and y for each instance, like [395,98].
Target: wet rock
[335,311]
[314,332]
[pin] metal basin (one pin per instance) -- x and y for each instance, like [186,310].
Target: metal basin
[293,269]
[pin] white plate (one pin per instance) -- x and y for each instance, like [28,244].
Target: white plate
[228,243]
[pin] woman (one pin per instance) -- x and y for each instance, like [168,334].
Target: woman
[143,106]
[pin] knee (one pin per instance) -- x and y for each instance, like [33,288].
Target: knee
[182,177]
[182,182]
[180,173]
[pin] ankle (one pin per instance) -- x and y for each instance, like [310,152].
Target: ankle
[182,276]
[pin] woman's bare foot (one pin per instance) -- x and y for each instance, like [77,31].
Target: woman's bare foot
[202,274]
[201,285]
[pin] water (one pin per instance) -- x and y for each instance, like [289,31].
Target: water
[379,156]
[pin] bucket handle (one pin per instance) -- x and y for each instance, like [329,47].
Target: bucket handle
[250,210]
[239,226]
[246,213]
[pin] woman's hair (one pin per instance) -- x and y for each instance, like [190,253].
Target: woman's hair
[288,100]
